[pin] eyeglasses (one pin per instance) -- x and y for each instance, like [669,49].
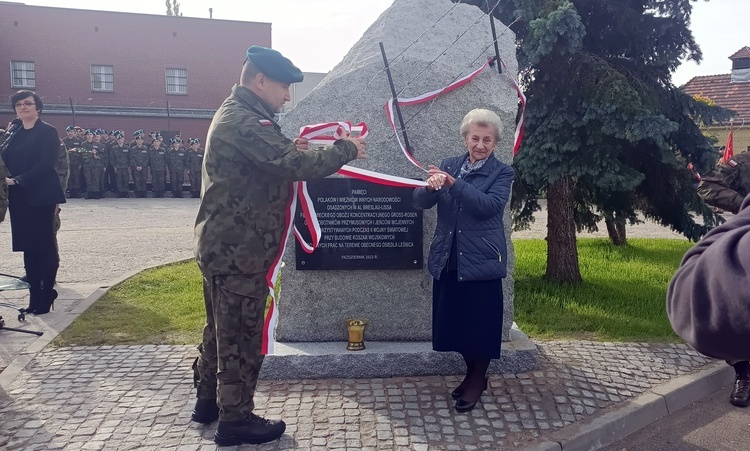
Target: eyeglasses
[26,104]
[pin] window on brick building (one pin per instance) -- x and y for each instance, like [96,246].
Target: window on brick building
[102,78]
[176,81]
[22,74]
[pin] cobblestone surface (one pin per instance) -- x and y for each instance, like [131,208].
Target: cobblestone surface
[140,397]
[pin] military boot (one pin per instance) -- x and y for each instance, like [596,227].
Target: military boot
[253,429]
[741,393]
[205,411]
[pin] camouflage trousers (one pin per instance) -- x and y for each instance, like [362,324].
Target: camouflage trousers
[230,355]
[122,178]
[140,179]
[158,180]
[177,178]
[93,176]
[195,181]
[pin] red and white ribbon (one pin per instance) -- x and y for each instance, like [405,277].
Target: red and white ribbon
[522,119]
[429,96]
[326,134]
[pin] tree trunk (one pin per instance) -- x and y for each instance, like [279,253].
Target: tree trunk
[616,231]
[562,252]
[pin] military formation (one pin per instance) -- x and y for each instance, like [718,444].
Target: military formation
[101,162]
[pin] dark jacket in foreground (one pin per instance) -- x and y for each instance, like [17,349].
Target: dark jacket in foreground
[708,301]
[473,209]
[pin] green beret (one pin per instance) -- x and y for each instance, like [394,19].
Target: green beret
[274,65]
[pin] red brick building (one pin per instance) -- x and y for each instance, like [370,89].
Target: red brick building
[122,70]
[731,91]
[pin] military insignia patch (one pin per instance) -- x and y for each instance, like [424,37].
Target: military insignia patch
[732,163]
[265,122]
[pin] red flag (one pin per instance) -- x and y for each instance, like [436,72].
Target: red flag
[729,149]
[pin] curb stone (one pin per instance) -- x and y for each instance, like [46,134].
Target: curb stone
[663,400]
[14,368]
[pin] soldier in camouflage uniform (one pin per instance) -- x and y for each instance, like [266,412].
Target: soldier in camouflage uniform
[247,174]
[195,165]
[727,184]
[73,145]
[725,187]
[3,184]
[119,157]
[109,178]
[91,154]
[157,161]
[176,160]
[139,164]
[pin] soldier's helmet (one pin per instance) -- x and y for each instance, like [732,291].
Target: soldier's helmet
[194,141]
[69,128]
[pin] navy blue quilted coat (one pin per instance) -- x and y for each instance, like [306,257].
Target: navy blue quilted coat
[472,209]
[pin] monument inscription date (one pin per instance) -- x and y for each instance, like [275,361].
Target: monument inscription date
[363,225]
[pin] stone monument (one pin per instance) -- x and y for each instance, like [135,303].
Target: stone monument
[429,44]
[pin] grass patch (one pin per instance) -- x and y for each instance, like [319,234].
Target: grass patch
[622,298]
[158,306]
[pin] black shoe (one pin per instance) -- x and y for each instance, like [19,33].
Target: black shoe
[205,411]
[253,429]
[48,304]
[463,405]
[455,394]
[740,396]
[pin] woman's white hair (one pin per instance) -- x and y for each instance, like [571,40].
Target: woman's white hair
[482,118]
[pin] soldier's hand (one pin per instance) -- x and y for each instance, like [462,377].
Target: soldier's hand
[302,143]
[360,143]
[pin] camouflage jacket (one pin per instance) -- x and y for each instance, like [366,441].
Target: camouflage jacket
[139,156]
[176,159]
[3,189]
[195,161]
[62,165]
[727,184]
[74,153]
[157,158]
[247,173]
[119,157]
[92,154]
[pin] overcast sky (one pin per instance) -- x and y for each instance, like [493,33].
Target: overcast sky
[316,34]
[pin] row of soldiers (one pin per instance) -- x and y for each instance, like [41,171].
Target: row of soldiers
[95,155]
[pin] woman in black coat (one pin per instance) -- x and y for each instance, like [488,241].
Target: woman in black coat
[468,254]
[30,152]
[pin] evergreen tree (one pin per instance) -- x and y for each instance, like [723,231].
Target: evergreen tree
[608,135]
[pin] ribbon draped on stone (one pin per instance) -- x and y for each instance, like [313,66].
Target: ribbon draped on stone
[326,134]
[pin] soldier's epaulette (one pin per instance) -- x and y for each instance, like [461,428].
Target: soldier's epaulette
[265,122]
[731,162]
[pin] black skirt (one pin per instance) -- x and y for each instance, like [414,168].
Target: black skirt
[467,317]
[32,228]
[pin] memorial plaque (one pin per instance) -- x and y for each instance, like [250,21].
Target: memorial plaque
[364,226]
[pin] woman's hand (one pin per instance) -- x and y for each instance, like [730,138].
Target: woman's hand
[447,179]
[9,181]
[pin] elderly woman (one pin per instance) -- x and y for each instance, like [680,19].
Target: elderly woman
[29,152]
[468,253]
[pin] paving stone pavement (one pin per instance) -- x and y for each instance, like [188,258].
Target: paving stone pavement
[140,397]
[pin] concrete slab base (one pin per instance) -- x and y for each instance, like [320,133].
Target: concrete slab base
[326,360]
